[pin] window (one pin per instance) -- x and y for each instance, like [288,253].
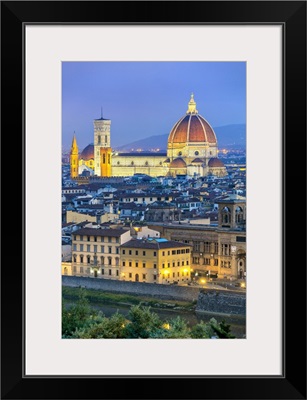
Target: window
[75,237]
[241,239]
[101,249]
[110,272]
[81,247]
[168,253]
[99,139]
[95,238]
[88,259]
[178,264]
[163,265]
[183,251]
[81,270]
[178,251]
[195,260]
[124,251]
[117,250]
[81,237]
[226,215]
[216,262]
[110,249]
[196,246]
[226,249]
[182,263]
[207,247]
[130,275]
[75,259]
[144,253]
[144,265]
[168,265]
[163,253]
[102,271]
[130,264]
[102,260]
[216,247]
[173,252]
[109,239]
[74,268]
[155,277]
[187,251]
[207,261]
[155,253]
[130,252]
[109,260]
[117,272]
[173,274]
[117,240]
[144,276]
[124,263]
[75,247]
[173,264]
[95,248]
[178,274]
[81,259]
[136,253]
[88,247]
[187,262]
[116,261]
[137,264]
[88,238]
[155,265]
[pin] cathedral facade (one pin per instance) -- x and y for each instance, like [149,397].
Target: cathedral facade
[192,150]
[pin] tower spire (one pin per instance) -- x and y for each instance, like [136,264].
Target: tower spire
[101,112]
[192,105]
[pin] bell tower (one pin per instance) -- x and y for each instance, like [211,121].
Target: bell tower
[102,146]
[74,158]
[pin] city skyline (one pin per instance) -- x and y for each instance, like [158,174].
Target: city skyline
[144,99]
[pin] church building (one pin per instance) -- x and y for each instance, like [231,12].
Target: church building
[192,150]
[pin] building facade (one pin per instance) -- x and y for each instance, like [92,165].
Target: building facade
[217,250]
[96,252]
[155,261]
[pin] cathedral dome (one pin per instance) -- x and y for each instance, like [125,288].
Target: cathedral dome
[178,163]
[215,163]
[192,127]
[87,153]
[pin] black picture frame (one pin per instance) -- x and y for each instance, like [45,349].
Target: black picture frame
[292,16]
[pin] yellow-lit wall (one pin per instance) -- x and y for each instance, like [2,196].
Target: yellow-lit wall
[155,266]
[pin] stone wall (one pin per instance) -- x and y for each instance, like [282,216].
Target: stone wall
[208,300]
[217,301]
[138,288]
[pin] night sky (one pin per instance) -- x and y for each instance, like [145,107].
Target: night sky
[143,99]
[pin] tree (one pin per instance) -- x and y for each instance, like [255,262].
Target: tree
[222,330]
[74,317]
[144,323]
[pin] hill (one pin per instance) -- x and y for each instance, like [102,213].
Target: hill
[228,136]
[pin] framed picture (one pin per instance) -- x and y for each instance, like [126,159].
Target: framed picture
[40,43]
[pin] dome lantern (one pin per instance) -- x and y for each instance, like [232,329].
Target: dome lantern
[192,106]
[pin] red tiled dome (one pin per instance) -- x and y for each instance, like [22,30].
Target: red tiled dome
[192,128]
[87,153]
[215,163]
[178,163]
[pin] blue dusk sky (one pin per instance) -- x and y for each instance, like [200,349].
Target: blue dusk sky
[143,99]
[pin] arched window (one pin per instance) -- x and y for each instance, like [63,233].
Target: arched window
[88,259]
[239,215]
[146,163]
[117,261]
[102,260]
[226,215]
[75,258]
[65,271]
[132,163]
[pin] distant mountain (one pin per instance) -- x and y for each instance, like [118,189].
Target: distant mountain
[229,136]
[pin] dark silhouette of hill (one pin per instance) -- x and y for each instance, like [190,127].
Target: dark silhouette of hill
[228,136]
